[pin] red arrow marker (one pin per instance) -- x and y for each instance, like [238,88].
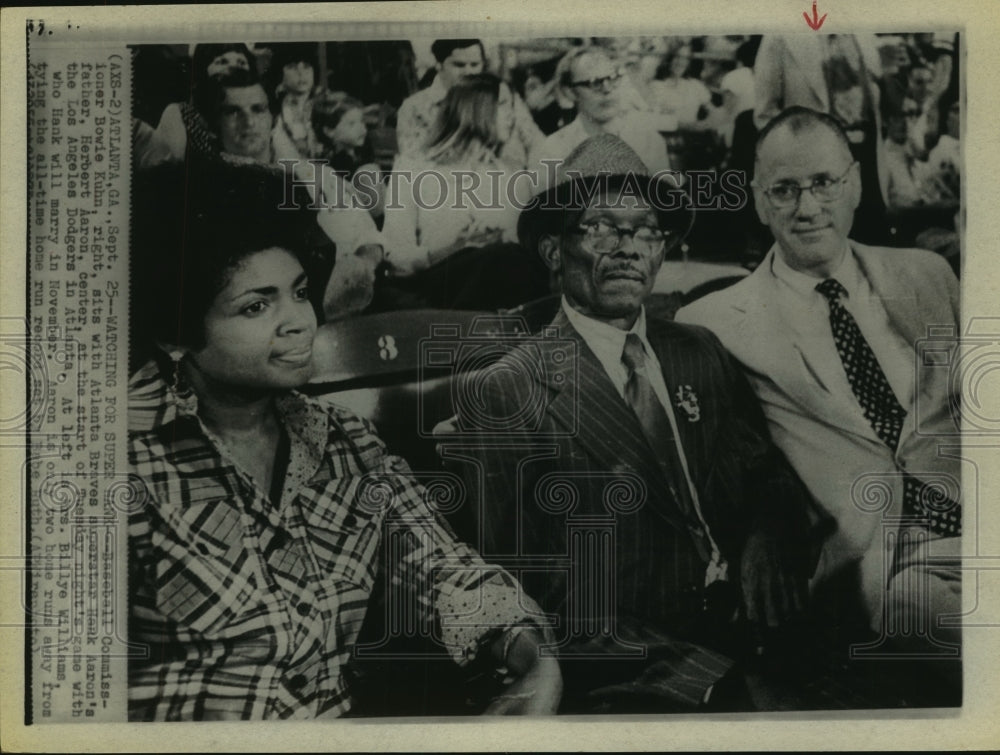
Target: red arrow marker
[815,22]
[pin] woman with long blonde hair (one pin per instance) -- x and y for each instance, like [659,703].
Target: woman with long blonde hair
[467,129]
[458,204]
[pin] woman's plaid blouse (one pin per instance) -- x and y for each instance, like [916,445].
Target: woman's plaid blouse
[251,608]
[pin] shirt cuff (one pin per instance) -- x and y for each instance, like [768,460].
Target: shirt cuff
[471,618]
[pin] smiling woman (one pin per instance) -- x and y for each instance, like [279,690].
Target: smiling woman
[267,514]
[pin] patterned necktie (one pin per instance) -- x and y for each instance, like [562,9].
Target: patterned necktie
[652,416]
[883,411]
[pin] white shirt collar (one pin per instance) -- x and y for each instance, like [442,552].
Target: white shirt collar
[847,274]
[606,341]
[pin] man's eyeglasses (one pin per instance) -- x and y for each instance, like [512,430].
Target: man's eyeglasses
[785,194]
[600,84]
[603,237]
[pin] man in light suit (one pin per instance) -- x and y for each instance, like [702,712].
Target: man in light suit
[623,469]
[827,330]
[835,74]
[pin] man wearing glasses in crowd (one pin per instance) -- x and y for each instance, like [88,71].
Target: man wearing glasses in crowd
[827,330]
[590,78]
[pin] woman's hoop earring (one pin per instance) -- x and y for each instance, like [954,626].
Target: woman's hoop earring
[176,357]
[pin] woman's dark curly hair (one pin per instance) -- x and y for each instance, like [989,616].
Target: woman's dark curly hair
[192,224]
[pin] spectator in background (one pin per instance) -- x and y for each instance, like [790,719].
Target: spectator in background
[739,99]
[338,121]
[924,74]
[182,125]
[894,60]
[589,77]
[643,59]
[944,165]
[516,129]
[944,85]
[236,106]
[919,80]
[457,58]
[537,86]
[680,94]
[339,124]
[835,74]
[461,253]
[737,88]
[293,71]
[945,159]
[717,55]
[906,152]
[925,188]
[240,113]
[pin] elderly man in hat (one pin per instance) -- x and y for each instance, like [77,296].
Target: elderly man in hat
[626,473]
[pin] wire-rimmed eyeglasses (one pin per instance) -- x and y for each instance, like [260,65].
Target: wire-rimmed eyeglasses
[824,188]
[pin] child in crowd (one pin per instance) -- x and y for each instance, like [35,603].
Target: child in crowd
[293,73]
[339,123]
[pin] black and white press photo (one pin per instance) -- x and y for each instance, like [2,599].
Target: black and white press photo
[639,498]
[428,371]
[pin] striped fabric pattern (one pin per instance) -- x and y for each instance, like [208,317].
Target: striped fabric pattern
[574,502]
[250,608]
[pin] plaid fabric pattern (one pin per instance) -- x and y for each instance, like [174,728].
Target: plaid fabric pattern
[250,608]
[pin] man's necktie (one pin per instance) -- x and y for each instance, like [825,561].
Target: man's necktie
[652,416]
[883,411]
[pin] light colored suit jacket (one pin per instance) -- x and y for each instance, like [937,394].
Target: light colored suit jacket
[788,71]
[826,436]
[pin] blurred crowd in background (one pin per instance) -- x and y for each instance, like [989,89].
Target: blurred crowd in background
[683,103]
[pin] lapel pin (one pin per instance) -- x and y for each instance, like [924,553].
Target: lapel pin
[687,400]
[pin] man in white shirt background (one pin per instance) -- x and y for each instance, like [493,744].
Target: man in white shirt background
[591,80]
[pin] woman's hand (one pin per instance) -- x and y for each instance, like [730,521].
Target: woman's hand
[537,688]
